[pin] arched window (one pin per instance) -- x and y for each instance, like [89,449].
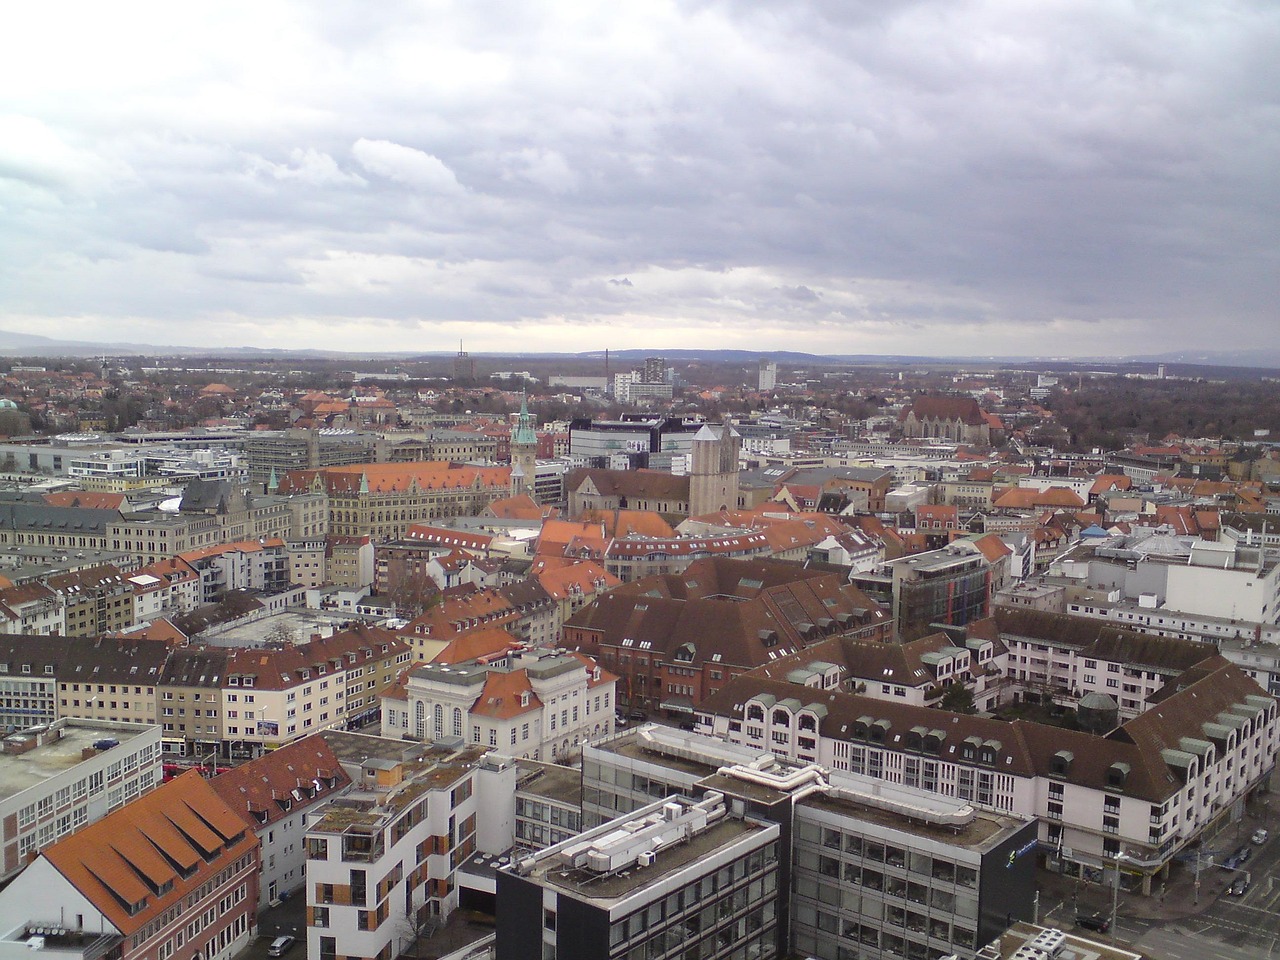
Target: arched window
[420,719]
[457,722]
[439,722]
[755,712]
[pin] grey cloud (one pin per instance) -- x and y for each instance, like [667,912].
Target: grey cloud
[911,165]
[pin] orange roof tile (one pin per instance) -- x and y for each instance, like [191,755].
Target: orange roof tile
[88,501]
[181,825]
[500,697]
[481,644]
[262,791]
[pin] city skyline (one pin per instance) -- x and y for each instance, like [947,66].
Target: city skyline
[988,179]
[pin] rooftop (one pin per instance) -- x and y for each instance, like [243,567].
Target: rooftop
[372,807]
[1075,947]
[552,868]
[984,831]
[23,771]
[550,781]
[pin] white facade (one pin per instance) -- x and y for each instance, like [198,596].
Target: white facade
[1086,817]
[376,875]
[52,788]
[537,705]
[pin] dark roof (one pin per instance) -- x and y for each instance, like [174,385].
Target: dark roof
[643,484]
[1020,748]
[1102,641]
[111,660]
[195,667]
[264,790]
[737,612]
[73,520]
[965,409]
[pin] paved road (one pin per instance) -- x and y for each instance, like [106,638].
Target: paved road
[1231,928]
[1176,942]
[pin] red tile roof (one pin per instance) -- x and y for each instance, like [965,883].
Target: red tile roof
[180,826]
[265,790]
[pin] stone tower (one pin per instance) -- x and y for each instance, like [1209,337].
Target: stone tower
[524,452]
[713,471]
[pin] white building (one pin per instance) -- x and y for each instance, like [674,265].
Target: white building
[274,795]
[1224,579]
[57,779]
[539,705]
[1180,770]
[381,862]
[272,696]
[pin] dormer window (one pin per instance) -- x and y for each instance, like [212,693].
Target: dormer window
[1060,763]
[1117,773]
[915,738]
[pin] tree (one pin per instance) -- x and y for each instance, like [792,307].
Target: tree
[411,589]
[958,699]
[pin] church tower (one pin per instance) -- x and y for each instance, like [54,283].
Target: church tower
[524,452]
[713,470]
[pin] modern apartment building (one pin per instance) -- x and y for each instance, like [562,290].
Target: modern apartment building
[948,586]
[863,865]
[381,860]
[676,877]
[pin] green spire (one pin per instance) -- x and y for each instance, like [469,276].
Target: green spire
[525,433]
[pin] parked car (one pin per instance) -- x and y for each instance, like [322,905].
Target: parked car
[280,946]
[1240,887]
[1243,853]
[1259,836]
[638,715]
[1094,921]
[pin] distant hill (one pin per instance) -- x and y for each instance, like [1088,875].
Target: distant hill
[32,345]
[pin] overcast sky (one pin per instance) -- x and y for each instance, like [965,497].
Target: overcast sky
[1052,177]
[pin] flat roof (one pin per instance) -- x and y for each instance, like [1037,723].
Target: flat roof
[1075,947]
[298,621]
[700,754]
[588,885]
[424,771]
[353,749]
[23,771]
[550,781]
[887,805]
[983,831]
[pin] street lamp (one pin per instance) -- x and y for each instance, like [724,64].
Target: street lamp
[1115,890]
